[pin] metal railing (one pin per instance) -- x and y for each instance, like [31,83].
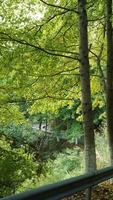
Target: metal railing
[65,188]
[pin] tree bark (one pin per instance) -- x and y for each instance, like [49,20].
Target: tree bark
[109,77]
[89,141]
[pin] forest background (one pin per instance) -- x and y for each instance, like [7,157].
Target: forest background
[55,88]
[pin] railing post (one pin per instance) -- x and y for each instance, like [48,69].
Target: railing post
[88,194]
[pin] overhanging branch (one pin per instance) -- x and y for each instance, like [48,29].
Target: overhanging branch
[47,51]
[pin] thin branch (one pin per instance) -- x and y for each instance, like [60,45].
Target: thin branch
[96,19]
[16,101]
[59,31]
[64,51]
[59,7]
[55,15]
[46,21]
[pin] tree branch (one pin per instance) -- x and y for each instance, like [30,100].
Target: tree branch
[47,51]
[16,101]
[59,7]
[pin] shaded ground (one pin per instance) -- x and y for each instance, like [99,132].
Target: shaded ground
[103,192]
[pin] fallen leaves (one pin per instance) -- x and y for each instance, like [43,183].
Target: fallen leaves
[101,192]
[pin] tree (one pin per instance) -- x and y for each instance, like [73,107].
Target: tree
[90,155]
[109,75]
[44,57]
[16,166]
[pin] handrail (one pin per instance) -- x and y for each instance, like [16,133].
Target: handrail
[65,188]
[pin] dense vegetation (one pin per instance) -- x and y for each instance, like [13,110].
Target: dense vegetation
[56,90]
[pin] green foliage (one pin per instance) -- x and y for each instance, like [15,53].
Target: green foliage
[67,164]
[99,116]
[37,51]
[15,167]
[71,161]
[20,132]
[75,131]
[11,113]
[39,65]
[19,171]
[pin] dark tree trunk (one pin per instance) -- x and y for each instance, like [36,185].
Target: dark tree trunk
[89,141]
[110,77]
[40,124]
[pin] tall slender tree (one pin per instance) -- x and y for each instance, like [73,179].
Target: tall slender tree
[109,76]
[90,155]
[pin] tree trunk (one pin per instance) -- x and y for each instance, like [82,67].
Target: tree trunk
[89,141]
[110,77]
